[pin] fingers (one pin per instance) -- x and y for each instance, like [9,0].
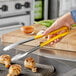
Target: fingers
[51,36]
[54,26]
[55,41]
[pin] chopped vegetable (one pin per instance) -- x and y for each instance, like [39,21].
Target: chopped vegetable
[74,25]
[46,23]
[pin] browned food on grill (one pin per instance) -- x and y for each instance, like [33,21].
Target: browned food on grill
[14,70]
[30,63]
[6,60]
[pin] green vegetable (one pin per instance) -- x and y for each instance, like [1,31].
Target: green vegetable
[46,23]
[74,25]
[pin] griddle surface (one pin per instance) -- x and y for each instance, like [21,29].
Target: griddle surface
[43,70]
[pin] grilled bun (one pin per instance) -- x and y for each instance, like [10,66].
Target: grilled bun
[30,63]
[5,59]
[14,70]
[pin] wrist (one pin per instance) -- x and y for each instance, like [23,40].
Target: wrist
[68,19]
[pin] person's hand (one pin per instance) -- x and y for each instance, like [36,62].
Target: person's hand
[65,20]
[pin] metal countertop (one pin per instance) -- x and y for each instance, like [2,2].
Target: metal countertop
[63,68]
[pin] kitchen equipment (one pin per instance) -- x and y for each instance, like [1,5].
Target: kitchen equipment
[15,13]
[39,46]
[53,9]
[38,11]
[41,10]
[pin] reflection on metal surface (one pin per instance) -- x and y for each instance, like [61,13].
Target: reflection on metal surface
[52,54]
[70,73]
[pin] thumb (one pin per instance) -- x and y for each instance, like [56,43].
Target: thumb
[48,30]
[53,27]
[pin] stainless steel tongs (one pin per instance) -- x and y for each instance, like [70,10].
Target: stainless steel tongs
[18,56]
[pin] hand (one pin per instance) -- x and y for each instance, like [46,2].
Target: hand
[65,20]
